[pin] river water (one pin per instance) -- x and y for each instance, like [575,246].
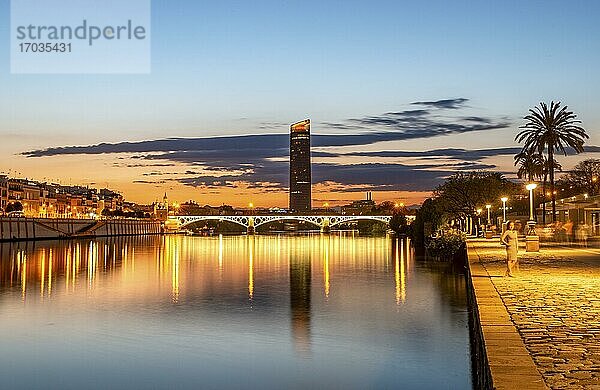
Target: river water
[317,311]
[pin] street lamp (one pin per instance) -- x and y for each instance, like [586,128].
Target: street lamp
[478,220]
[530,187]
[584,213]
[533,241]
[488,207]
[504,199]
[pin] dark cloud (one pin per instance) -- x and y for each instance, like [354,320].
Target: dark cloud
[410,113]
[419,123]
[260,161]
[391,126]
[463,154]
[476,119]
[149,182]
[448,104]
[251,164]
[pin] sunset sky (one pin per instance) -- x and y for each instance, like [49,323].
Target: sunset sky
[400,94]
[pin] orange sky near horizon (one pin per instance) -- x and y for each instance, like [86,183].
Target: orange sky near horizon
[116,172]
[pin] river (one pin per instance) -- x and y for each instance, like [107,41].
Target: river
[315,311]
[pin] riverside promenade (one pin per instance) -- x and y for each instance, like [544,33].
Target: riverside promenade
[541,329]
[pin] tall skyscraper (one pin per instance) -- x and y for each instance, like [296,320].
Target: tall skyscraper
[300,173]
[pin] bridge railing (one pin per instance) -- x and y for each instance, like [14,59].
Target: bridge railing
[251,222]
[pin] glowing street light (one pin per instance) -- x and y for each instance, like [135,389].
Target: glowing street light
[530,187]
[504,199]
[488,207]
[478,211]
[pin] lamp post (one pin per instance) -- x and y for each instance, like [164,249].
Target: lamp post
[584,213]
[531,187]
[504,199]
[533,240]
[488,226]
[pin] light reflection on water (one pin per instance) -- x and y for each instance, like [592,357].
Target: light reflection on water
[253,311]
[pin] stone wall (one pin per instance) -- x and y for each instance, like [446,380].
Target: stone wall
[481,373]
[24,229]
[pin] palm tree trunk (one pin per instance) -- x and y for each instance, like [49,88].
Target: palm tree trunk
[544,197]
[551,171]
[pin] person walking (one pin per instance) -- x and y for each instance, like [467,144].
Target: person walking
[511,241]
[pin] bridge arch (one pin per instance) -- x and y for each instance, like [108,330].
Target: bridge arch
[252,222]
[355,218]
[263,220]
[188,220]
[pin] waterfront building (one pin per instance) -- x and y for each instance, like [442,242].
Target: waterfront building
[580,209]
[3,192]
[49,200]
[300,167]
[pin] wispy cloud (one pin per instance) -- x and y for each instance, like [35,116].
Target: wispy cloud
[434,119]
[448,104]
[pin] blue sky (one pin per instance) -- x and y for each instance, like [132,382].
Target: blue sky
[227,68]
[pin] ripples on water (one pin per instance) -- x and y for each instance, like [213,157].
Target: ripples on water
[229,312]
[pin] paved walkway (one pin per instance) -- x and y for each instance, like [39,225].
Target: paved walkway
[554,303]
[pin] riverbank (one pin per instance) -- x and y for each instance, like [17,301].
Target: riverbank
[27,229]
[543,324]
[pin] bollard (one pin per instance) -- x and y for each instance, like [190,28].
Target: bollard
[532,243]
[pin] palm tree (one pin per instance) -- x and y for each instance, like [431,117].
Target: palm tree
[551,129]
[531,165]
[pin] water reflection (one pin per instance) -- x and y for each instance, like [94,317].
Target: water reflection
[364,306]
[250,267]
[300,291]
[325,250]
[403,255]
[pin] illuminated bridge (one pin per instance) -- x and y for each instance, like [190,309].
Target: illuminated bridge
[324,222]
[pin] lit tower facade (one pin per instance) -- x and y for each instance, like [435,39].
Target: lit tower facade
[300,173]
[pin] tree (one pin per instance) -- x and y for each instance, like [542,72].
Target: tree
[429,218]
[583,178]
[399,224]
[386,207]
[465,192]
[551,129]
[531,165]
[14,206]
